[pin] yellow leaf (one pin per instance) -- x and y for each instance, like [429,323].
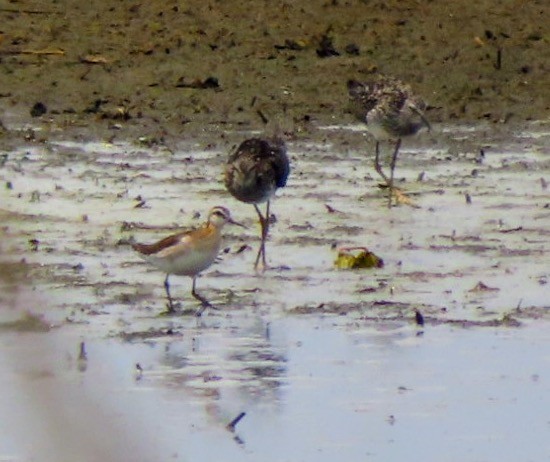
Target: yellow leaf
[357,258]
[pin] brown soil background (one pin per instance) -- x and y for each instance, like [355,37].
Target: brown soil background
[138,61]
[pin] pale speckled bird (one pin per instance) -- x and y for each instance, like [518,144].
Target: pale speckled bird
[391,112]
[253,172]
[188,253]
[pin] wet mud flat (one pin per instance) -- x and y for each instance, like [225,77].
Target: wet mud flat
[173,64]
[474,248]
[472,258]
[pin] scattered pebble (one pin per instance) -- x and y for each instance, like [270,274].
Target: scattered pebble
[38,109]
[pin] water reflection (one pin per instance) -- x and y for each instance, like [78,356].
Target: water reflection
[213,361]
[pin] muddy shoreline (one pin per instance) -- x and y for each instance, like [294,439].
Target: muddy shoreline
[134,107]
[174,69]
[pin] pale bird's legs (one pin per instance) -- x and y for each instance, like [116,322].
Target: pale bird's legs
[377,165]
[393,191]
[264,223]
[394,160]
[392,169]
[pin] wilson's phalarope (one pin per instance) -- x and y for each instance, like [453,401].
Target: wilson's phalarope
[253,173]
[188,253]
[391,112]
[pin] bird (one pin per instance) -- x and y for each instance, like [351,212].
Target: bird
[188,253]
[391,112]
[253,172]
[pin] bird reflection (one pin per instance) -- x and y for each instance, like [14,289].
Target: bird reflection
[228,372]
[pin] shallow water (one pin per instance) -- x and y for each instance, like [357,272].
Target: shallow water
[311,389]
[325,363]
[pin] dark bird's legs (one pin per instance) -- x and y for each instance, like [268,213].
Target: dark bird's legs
[264,224]
[205,303]
[170,305]
[167,288]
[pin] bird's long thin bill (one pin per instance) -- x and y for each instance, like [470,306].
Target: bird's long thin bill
[423,117]
[233,222]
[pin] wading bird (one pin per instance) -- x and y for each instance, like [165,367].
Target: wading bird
[188,253]
[391,112]
[254,171]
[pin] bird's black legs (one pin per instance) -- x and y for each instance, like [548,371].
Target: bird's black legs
[265,231]
[170,305]
[264,224]
[205,303]
[168,296]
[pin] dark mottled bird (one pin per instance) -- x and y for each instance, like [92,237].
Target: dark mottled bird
[254,171]
[188,253]
[391,112]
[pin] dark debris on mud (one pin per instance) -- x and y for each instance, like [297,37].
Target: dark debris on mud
[383,311]
[150,334]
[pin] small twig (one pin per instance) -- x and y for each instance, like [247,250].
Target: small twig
[82,355]
[418,317]
[139,372]
[54,51]
[94,59]
[511,230]
[348,249]
[231,425]
[14,10]
[262,116]
[498,64]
